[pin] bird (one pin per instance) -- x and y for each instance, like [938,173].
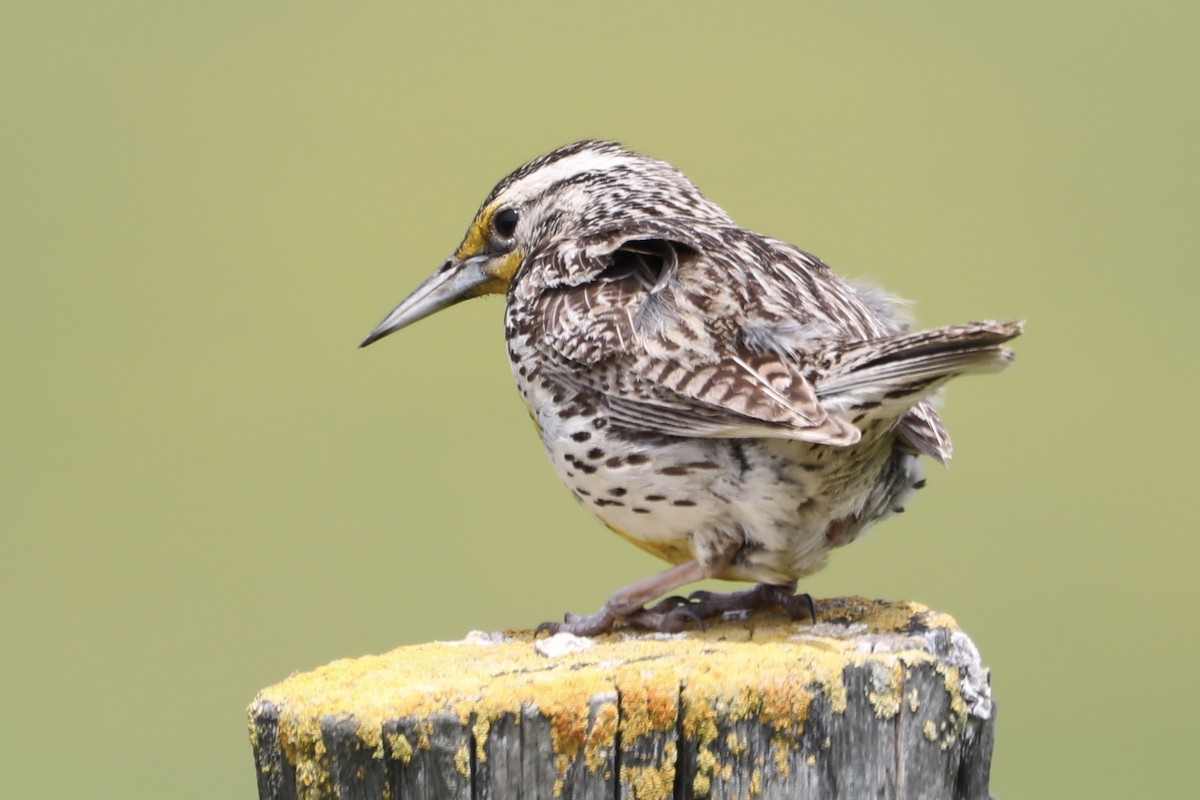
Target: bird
[717,397]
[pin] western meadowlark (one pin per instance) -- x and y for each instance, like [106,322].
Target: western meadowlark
[717,397]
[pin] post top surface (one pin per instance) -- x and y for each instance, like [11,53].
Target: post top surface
[489,674]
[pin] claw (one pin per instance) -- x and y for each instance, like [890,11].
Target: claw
[688,611]
[810,608]
[546,627]
[673,621]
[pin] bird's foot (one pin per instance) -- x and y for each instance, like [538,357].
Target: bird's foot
[669,615]
[712,604]
[672,614]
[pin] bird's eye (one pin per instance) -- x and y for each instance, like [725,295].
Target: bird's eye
[504,223]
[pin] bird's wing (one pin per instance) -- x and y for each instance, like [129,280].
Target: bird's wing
[733,396]
[922,428]
[648,339]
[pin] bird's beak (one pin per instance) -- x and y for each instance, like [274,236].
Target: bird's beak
[453,283]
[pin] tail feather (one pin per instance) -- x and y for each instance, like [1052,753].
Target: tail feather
[902,370]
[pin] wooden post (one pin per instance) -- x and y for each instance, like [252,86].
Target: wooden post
[876,700]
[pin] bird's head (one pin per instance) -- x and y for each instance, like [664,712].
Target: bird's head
[585,189]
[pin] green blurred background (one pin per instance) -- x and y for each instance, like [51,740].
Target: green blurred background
[205,207]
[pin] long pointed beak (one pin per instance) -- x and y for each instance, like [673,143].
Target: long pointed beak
[451,284]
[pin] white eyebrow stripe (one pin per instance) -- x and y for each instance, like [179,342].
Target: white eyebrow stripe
[537,182]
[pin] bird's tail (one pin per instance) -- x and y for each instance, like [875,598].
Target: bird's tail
[900,371]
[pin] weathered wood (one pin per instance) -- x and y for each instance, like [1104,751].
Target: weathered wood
[877,700]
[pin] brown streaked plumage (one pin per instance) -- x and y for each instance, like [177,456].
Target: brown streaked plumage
[717,397]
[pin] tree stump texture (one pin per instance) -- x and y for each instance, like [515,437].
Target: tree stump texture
[877,699]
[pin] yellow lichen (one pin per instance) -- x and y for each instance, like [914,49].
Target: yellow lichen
[424,733]
[651,783]
[766,669]
[706,764]
[887,685]
[401,747]
[601,738]
[782,750]
[756,782]
[953,726]
[480,731]
[462,761]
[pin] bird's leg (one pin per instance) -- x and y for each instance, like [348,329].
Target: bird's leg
[669,615]
[798,606]
[628,604]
